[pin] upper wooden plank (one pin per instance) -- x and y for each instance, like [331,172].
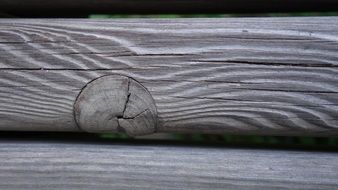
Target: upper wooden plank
[66,8]
[276,76]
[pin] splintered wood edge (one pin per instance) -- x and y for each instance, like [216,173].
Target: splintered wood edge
[115,103]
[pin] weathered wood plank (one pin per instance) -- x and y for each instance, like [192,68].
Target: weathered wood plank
[43,8]
[41,165]
[250,75]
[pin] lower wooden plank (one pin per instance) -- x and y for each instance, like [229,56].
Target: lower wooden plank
[55,165]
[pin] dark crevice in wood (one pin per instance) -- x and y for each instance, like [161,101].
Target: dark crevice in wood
[327,65]
[163,54]
[119,128]
[127,100]
[108,54]
[59,69]
[295,91]
[211,98]
[201,81]
[133,117]
[241,100]
[32,42]
[123,115]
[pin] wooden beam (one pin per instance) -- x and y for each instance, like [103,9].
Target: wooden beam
[43,8]
[56,165]
[271,76]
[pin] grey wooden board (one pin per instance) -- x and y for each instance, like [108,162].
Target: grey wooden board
[43,8]
[41,165]
[239,75]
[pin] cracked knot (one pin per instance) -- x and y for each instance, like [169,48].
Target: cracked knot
[115,103]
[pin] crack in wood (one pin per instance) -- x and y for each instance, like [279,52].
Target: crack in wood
[115,103]
[127,100]
[271,63]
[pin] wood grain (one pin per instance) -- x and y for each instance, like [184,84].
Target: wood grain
[62,8]
[274,76]
[115,103]
[41,165]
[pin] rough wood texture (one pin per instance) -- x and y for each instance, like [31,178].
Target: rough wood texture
[115,103]
[41,165]
[43,8]
[251,76]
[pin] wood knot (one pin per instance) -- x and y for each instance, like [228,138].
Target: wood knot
[115,103]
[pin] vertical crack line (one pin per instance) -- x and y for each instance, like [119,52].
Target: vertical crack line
[119,128]
[127,100]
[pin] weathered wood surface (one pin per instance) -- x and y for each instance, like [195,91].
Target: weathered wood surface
[43,8]
[249,75]
[115,103]
[41,165]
